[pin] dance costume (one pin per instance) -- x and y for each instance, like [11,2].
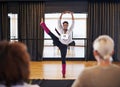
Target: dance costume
[60,43]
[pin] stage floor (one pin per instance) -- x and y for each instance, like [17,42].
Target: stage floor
[52,69]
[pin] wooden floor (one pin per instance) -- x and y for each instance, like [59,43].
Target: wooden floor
[52,69]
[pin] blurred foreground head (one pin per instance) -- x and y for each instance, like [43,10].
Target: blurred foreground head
[14,63]
[103,47]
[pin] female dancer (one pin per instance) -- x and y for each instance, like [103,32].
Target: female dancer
[64,40]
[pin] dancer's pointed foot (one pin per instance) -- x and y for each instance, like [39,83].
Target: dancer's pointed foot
[41,21]
[63,75]
[43,25]
[63,70]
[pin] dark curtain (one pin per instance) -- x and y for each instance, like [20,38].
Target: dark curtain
[103,18]
[0,22]
[4,31]
[80,6]
[30,14]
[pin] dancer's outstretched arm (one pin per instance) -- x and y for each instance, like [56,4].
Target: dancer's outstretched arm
[72,25]
[59,22]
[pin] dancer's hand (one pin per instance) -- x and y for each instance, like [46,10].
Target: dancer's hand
[68,12]
[65,12]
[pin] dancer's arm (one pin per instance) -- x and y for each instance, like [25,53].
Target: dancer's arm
[72,25]
[59,21]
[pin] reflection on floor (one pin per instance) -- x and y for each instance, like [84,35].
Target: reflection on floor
[52,69]
[53,51]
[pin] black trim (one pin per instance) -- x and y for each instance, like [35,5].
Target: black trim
[59,59]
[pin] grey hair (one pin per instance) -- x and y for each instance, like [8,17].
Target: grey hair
[104,45]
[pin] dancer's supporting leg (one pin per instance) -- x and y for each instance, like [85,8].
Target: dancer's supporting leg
[63,50]
[62,47]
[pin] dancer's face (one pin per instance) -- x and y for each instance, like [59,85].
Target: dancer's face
[65,26]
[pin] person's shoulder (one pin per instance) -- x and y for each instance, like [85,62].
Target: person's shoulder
[34,86]
[2,85]
[90,68]
[25,85]
[31,85]
[115,66]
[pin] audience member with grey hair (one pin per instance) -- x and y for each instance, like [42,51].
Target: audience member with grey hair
[104,74]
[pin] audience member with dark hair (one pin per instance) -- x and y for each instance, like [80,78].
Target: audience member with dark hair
[14,65]
[104,74]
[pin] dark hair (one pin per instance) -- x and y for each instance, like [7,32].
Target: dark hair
[65,22]
[14,63]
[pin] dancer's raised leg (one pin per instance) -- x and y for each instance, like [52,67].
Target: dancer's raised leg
[43,25]
[54,38]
